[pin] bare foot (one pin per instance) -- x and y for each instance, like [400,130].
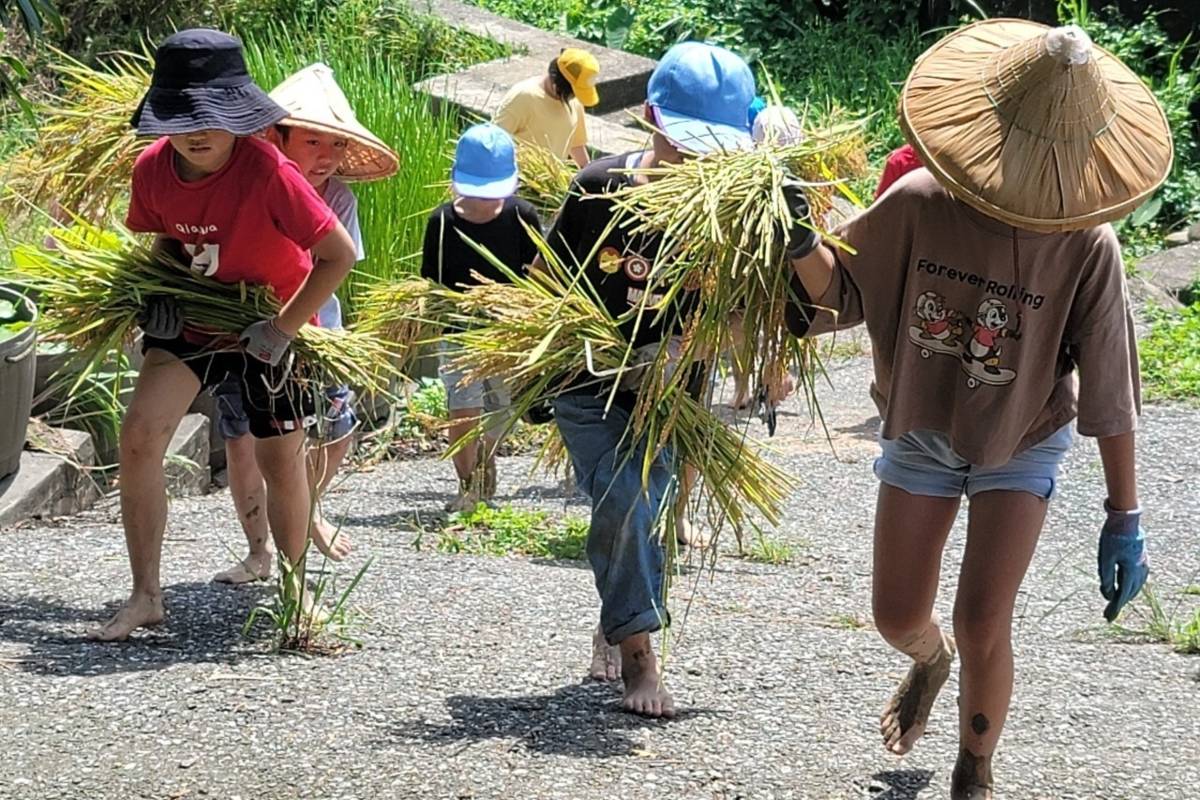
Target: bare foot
[687,535]
[645,693]
[469,496]
[333,543]
[139,611]
[254,567]
[903,720]
[606,659]
[972,777]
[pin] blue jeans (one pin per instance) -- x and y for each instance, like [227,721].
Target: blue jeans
[622,546]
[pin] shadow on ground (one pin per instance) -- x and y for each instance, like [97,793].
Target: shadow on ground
[203,625]
[901,784]
[580,720]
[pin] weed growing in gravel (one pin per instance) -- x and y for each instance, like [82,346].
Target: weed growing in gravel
[507,530]
[764,550]
[1166,626]
[848,622]
[297,613]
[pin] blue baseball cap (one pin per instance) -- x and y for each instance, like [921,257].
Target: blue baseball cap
[701,96]
[485,163]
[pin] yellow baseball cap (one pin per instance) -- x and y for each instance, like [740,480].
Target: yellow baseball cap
[580,68]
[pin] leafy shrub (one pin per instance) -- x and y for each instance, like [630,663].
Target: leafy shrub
[1173,72]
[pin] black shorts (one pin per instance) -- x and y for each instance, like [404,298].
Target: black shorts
[275,401]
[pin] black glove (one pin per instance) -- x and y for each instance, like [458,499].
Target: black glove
[802,239]
[161,317]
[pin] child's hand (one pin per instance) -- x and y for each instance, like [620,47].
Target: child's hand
[161,317]
[1124,564]
[265,341]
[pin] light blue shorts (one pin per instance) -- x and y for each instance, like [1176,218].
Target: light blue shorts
[922,463]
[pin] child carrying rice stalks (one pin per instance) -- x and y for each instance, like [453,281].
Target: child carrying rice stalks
[237,210]
[624,354]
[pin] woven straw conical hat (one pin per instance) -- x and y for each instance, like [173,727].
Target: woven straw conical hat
[314,100]
[1034,126]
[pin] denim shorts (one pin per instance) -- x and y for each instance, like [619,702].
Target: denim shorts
[922,463]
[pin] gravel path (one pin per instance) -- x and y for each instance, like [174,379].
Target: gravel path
[468,682]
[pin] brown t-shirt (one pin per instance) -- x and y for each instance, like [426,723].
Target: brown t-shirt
[977,328]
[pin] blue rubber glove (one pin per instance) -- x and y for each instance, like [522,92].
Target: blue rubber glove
[161,317]
[1124,564]
[265,341]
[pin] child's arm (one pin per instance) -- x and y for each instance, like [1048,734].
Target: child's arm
[334,256]
[1120,471]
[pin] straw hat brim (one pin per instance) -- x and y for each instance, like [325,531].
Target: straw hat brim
[1028,180]
[367,158]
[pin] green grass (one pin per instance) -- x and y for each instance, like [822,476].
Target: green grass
[392,212]
[1170,356]
[514,531]
[315,619]
[765,550]
[1177,627]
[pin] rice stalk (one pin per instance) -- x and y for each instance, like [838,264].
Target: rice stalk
[536,332]
[82,159]
[724,223]
[545,178]
[93,284]
[406,313]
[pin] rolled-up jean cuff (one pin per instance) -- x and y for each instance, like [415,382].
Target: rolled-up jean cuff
[648,621]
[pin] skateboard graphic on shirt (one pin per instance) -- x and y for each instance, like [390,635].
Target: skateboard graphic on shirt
[975,345]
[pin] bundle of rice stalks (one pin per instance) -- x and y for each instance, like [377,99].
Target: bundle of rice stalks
[546,331]
[93,284]
[545,178]
[724,221]
[407,313]
[83,156]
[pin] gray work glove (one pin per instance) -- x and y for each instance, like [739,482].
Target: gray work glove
[161,317]
[263,340]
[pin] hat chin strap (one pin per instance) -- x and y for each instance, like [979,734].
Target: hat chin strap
[1069,45]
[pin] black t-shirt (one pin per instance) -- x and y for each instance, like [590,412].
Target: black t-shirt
[620,264]
[449,259]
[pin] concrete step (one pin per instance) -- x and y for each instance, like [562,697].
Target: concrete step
[46,485]
[186,465]
[622,79]
[478,90]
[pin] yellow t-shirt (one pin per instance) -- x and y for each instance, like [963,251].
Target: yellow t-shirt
[531,115]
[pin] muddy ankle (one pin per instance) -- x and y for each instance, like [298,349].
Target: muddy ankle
[972,778]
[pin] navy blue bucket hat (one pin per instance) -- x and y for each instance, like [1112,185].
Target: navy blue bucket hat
[200,83]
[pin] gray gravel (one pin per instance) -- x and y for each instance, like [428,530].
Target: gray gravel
[468,682]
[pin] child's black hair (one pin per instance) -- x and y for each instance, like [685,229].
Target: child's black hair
[562,86]
[284,131]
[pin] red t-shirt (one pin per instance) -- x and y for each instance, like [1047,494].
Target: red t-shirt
[254,220]
[900,162]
